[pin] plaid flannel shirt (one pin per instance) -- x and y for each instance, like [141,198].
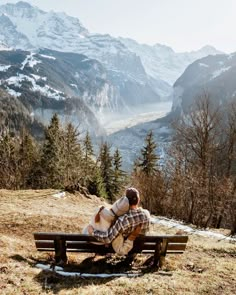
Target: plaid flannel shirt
[124,225]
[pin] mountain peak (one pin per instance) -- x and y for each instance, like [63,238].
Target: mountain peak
[163,48]
[23,4]
[208,49]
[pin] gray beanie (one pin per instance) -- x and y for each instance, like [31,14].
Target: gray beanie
[121,206]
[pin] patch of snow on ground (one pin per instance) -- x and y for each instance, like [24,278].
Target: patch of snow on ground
[13,92]
[203,65]
[219,72]
[30,60]
[46,90]
[59,195]
[37,77]
[205,233]
[4,68]
[59,270]
[47,56]
[85,59]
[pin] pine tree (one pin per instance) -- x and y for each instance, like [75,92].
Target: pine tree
[148,160]
[96,185]
[8,162]
[28,155]
[148,178]
[88,162]
[106,170]
[119,174]
[52,161]
[72,155]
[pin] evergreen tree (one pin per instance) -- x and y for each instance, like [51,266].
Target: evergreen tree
[106,170]
[96,185]
[88,162]
[52,161]
[148,160]
[8,162]
[119,174]
[148,178]
[28,155]
[72,155]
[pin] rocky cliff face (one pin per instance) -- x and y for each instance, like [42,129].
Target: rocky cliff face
[162,62]
[215,75]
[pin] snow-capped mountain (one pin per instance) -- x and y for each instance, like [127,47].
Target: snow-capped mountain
[36,28]
[215,75]
[29,28]
[49,81]
[162,62]
[142,73]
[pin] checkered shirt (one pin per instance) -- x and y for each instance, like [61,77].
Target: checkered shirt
[124,225]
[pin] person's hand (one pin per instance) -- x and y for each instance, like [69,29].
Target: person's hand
[90,229]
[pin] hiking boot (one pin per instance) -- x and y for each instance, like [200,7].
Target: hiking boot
[134,233]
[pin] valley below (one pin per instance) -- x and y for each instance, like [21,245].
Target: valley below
[132,117]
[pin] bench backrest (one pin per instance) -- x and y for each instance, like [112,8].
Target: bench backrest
[171,244]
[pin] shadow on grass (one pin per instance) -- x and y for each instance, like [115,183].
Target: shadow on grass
[50,280]
[19,258]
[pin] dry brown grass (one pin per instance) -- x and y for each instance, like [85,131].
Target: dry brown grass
[206,267]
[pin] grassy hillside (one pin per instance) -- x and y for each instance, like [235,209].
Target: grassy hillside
[206,267]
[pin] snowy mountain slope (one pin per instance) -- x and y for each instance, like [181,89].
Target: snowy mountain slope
[162,62]
[41,29]
[214,74]
[31,28]
[50,81]
[149,70]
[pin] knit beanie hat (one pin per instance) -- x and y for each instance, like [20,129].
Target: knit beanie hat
[132,195]
[121,206]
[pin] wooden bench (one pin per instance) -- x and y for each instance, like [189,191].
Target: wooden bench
[61,243]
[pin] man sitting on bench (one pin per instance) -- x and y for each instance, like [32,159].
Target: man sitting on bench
[127,227]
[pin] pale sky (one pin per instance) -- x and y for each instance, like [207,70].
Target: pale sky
[184,25]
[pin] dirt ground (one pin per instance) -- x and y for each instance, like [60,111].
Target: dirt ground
[208,266]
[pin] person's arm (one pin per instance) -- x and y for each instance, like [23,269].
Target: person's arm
[108,236]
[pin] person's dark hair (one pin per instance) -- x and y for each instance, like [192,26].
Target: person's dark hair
[132,195]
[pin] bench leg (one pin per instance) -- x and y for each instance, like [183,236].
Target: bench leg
[157,255]
[60,251]
[163,252]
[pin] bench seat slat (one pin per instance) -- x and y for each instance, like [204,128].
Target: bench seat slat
[95,247]
[104,252]
[81,237]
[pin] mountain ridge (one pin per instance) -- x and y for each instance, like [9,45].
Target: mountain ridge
[61,32]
